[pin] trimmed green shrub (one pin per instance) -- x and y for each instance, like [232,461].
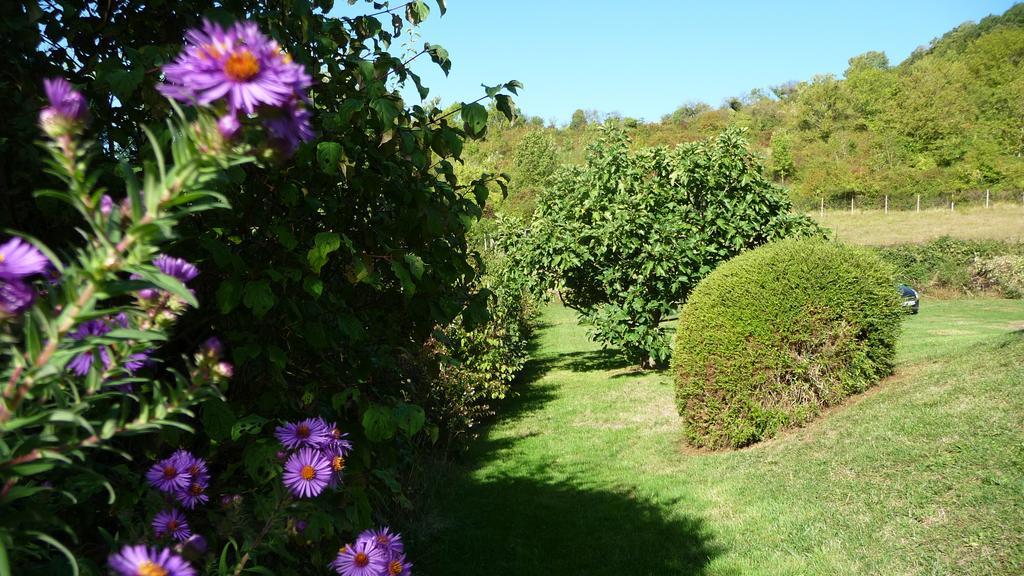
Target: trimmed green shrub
[776,334]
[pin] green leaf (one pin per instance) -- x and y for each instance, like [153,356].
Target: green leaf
[408,286]
[258,297]
[411,418]
[313,285]
[386,110]
[323,245]
[416,12]
[328,155]
[440,56]
[63,550]
[251,425]
[229,295]
[218,419]
[167,283]
[442,6]
[504,104]
[474,115]
[379,423]
[138,335]
[416,265]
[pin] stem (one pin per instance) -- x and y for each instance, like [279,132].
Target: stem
[261,535]
[388,11]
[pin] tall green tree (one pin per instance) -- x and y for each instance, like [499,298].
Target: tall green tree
[624,238]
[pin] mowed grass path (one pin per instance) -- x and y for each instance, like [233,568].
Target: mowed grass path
[585,472]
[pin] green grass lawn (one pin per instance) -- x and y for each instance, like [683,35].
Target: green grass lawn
[585,472]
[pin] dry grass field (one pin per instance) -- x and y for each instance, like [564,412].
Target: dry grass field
[874,227]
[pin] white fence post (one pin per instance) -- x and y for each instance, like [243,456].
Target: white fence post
[918,202]
[823,207]
[886,203]
[851,203]
[986,197]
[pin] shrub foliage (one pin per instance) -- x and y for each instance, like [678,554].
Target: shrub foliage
[625,238]
[776,334]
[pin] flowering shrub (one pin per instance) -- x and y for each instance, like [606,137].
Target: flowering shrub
[84,374]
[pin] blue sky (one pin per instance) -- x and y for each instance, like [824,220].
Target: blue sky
[643,59]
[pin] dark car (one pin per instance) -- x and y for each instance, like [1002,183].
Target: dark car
[911,299]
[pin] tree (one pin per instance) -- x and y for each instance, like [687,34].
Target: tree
[782,157]
[579,120]
[625,238]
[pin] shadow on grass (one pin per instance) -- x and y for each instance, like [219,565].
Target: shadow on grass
[596,360]
[526,527]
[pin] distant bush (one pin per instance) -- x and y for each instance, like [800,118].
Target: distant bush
[471,369]
[776,334]
[947,263]
[1003,273]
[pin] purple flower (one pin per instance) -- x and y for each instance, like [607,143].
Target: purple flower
[238,64]
[18,259]
[310,432]
[141,560]
[385,539]
[170,474]
[195,492]
[171,523]
[15,297]
[106,205]
[398,566]
[337,441]
[307,473]
[224,369]
[67,108]
[178,268]
[361,559]
[82,363]
[212,347]
[137,361]
[195,546]
[228,126]
[290,127]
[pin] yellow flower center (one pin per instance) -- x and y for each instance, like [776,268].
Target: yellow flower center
[172,525]
[395,568]
[361,559]
[241,66]
[196,489]
[1,256]
[382,540]
[170,472]
[307,472]
[337,463]
[148,568]
[302,431]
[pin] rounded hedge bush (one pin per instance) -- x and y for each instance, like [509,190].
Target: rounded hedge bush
[776,334]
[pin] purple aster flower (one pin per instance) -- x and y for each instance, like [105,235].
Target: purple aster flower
[192,496]
[67,108]
[171,523]
[106,205]
[361,559]
[18,259]
[149,561]
[385,539]
[212,347]
[307,473]
[398,566]
[137,361]
[238,64]
[178,268]
[309,432]
[15,297]
[300,525]
[228,126]
[195,546]
[82,363]
[170,474]
[337,441]
[290,127]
